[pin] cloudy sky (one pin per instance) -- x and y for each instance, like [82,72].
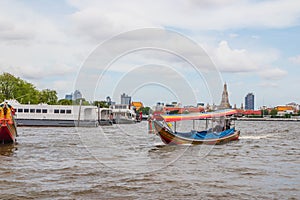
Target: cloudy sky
[254,45]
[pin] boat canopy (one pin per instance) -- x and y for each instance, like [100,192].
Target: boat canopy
[195,116]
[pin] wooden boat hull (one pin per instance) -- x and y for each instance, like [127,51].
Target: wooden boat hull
[8,132]
[170,138]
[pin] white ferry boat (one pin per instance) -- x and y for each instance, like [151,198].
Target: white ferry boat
[55,115]
[105,116]
[123,114]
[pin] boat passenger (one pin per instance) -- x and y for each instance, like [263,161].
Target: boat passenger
[227,124]
[220,125]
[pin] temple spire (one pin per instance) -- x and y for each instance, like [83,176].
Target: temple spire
[225,101]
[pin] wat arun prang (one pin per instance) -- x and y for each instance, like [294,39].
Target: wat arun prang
[225,101]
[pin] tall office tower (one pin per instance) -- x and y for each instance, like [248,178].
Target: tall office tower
[77,95]
[249,101]
[125,99]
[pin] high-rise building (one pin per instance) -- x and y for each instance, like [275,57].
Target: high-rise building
[125,99]
[225,100]
[108,100]
[249,101]
[69,96]
[74,96]
[77,95]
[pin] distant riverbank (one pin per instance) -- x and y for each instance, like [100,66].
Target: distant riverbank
[268,119]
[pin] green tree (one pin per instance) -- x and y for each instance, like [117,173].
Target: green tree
[1,97]
[16,88]
[144,110]
[273,112]
[27,93]
[48,96]
[12,87]
[83,102]
[7,86]
[264,112]
[101,104]
[64,102]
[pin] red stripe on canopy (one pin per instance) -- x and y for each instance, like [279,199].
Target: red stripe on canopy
[195,116]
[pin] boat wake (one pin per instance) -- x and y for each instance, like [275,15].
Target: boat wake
[256,137]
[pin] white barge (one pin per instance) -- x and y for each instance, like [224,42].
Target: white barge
[105,116]
[123,114]
[55,115]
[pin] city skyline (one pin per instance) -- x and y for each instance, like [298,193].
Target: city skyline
[253,44]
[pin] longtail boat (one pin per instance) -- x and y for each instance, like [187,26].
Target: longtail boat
[8,129]
[218,135]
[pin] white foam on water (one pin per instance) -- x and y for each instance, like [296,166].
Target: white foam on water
[256,137]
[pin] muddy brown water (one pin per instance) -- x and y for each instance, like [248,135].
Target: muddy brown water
[125,162]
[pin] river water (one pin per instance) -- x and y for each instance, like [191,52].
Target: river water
[125,162]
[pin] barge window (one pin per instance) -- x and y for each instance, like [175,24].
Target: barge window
[20,110]
[26,110]
[44,110]
[38,110]
[62,111]
[56,111]
[69,111]
[32,110]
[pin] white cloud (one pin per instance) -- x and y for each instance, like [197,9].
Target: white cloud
[229,59]
[10,32]
[295,60]
[19,23]
[268,84]
[62,87]
[37,73]
[34,45]
[233,35]
[96,18]
[273,73]
[233,60]
[256,37]
[259,63]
